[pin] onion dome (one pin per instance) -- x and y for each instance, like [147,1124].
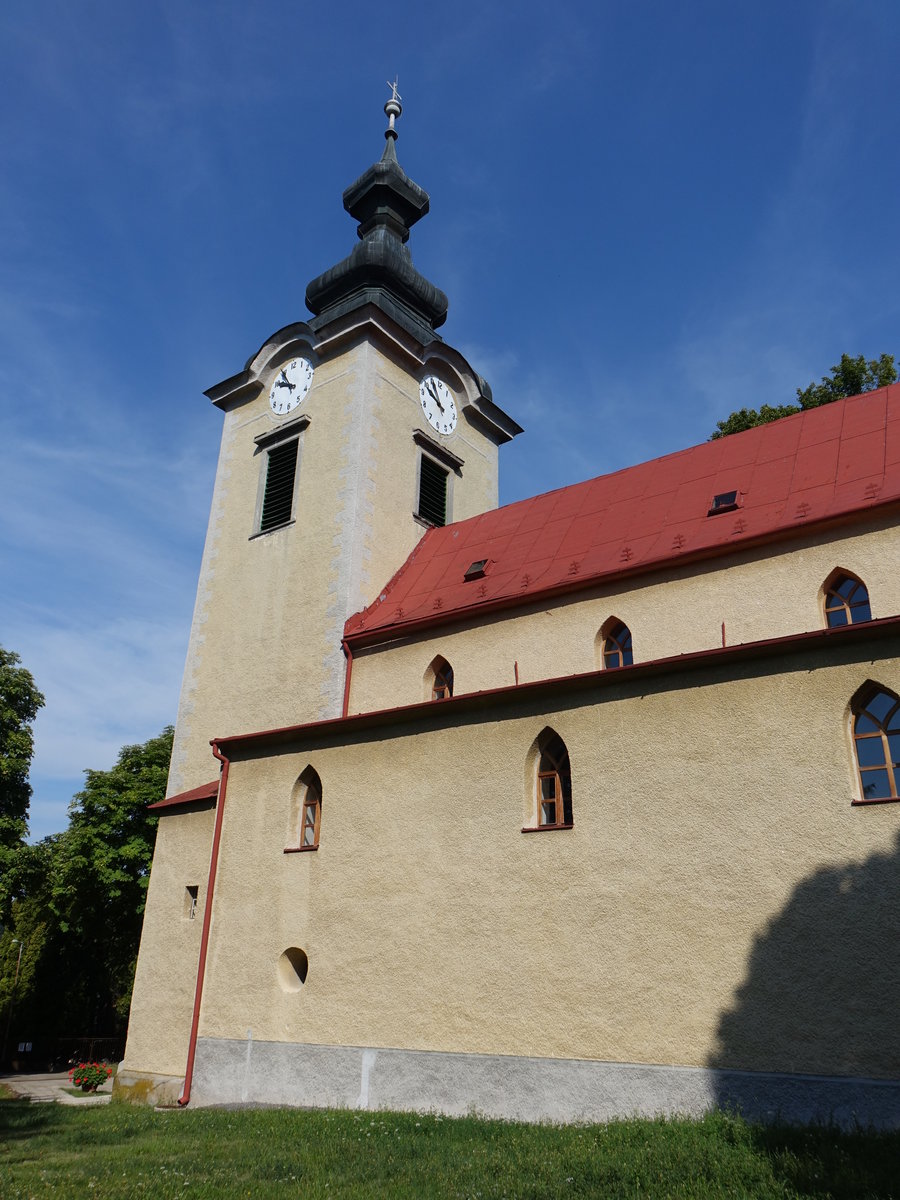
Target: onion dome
[379,270]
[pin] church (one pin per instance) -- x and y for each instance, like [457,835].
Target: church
[581,807]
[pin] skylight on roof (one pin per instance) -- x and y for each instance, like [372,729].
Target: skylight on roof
[476,570]
[723,502]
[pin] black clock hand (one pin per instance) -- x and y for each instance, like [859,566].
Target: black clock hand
[285,382]
[433,391]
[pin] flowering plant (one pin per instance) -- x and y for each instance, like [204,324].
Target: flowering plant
[89,1076]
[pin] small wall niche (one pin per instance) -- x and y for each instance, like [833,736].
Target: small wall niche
[191,892]
[292,968]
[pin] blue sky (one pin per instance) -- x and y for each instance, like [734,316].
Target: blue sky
[645,215]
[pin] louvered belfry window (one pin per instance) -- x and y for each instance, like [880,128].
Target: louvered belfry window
[278,499]
[432,492]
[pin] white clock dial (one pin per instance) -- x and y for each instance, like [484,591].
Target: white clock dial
[438,404]
[290,386]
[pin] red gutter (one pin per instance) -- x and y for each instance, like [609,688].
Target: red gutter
[345,646]
[185,1096]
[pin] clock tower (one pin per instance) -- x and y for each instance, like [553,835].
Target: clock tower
[345,438]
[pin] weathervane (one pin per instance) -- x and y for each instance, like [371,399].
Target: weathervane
[392,109]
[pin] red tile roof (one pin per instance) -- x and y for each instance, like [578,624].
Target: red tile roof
[827,463]
[206,791]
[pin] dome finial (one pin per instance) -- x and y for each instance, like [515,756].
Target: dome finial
[392,109]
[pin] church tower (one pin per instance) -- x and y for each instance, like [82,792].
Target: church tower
[345,437]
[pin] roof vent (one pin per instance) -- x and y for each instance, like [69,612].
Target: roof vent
[724,502]
[476,571]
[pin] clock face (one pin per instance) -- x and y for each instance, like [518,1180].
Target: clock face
[438,404]
[290,386]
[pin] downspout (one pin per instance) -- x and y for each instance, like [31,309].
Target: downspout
[345,646]
[185,1096]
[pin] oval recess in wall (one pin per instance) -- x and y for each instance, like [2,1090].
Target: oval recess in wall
[292,968]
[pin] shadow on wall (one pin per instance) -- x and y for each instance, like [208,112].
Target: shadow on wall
[820,994]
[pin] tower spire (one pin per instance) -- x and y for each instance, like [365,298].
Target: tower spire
[392,109]
[386,203]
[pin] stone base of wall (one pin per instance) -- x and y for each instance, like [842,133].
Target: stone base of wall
[526,1089]
[144,1087]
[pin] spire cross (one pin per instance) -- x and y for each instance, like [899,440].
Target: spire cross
[393,108]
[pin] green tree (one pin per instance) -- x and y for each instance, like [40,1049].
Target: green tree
[100,875]
[76,906]
[20,702]
[849,377]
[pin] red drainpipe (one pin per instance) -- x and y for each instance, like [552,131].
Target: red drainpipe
[345,646]
[185,1096]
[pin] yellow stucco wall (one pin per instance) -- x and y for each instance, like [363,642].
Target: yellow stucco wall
[265,641]
[770,592]
[166,974]
[713,829]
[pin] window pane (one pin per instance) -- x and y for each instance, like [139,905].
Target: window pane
[844,587]
[627,657]
[548,812]
[865,724]
[894,741]
[893,721]
[875,785]
[837,616]
[880,705]
[870,751]
[861,611]
[548,787]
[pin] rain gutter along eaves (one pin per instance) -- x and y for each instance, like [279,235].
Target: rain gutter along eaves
[185,1096]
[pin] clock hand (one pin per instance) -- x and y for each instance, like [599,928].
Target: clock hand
[285,382]
[433,391]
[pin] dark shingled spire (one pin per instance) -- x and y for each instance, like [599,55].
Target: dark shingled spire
[386,203]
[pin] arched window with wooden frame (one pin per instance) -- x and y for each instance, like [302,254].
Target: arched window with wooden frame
[846,600]
[306,820]
[615,645]
[876,743]
[551,783]
[439,680]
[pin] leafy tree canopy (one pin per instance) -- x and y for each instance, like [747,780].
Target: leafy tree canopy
[20,702]
[849,377]
[75,902]
[102,866]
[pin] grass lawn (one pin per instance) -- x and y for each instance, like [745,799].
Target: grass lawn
[119,1151]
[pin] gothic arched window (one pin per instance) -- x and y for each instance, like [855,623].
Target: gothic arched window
[876,744]
[307,811]
[554,783]
[439,680]
[846,600]
[617,644]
